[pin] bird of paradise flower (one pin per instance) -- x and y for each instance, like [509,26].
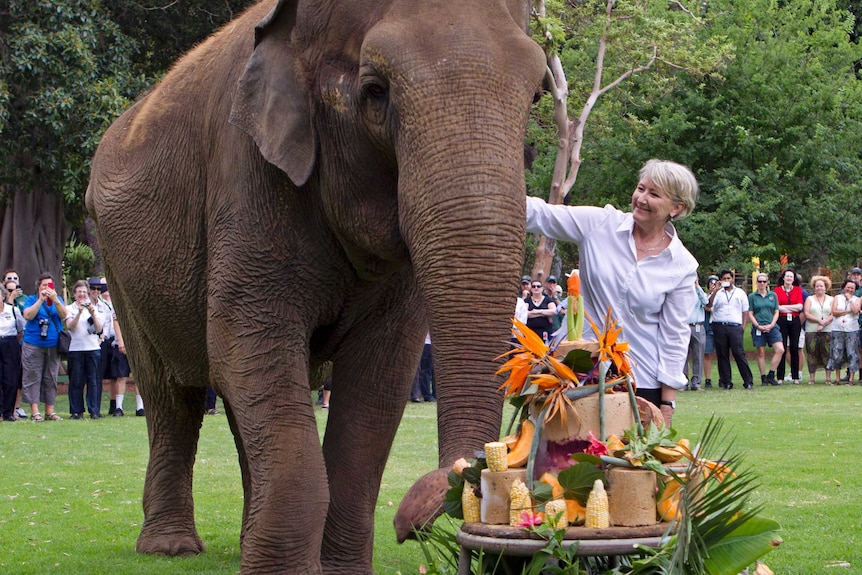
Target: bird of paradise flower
[535,374]
[613,350]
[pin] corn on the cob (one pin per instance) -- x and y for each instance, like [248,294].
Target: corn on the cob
[497,456]
[555,513]
[597,507]
[470,504]
[519,502]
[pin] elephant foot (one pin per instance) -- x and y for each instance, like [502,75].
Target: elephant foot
[422,504]
[171,543]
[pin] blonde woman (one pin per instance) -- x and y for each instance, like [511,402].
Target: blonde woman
[818,328]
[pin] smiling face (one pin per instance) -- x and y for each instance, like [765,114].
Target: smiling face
[82,294]
[652,205]
[789,277]
[819,287]
[849,289]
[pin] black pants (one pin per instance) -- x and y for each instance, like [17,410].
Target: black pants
[790,331]
[728,339]
[10,374]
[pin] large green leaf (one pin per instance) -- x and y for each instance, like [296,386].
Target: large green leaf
[753,539]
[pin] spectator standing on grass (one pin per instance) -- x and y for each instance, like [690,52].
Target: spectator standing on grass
[709,342]
[696,341]
[729,307]
[423,381]
[84,323]
[12,276]
[856,276]
[789,321]
[45,312]
[11,325]
[818,327]
[120,370]
[845,330]
[763,314]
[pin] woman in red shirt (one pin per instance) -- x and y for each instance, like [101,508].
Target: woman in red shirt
[789,321]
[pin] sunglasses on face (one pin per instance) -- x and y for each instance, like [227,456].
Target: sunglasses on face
[763,281]
[536,285]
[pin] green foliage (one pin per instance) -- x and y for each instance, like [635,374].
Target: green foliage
[66,76]
[771,129]
[79,262]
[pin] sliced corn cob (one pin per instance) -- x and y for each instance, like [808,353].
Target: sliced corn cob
[497,456]
[470,504]
[597,507]
[555,513]
[519,501]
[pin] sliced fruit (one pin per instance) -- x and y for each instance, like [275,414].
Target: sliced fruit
[519,453]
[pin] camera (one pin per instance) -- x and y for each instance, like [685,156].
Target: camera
[725,284]
[43,328]
[86,304]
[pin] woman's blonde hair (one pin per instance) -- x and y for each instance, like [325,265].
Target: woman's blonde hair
[826,281]
[676,180]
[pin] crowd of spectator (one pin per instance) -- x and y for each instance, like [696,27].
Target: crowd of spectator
[801,326]
[31,326]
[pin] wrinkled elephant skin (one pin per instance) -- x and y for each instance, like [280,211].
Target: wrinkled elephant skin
[318,181]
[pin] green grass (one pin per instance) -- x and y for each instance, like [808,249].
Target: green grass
[70,491]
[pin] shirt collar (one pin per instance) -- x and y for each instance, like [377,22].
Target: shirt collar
[627,225]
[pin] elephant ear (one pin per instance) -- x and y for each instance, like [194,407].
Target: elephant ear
[271,104]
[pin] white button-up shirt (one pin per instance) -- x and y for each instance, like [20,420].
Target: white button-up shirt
[651,299]
[729,306]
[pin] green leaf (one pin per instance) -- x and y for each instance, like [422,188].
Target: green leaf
[586,458]
[542,492]
[753,539]
[472,474]
[579,361]
[578,480]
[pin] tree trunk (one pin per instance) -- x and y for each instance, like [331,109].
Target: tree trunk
[33,232]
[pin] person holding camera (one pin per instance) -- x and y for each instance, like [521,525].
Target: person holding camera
[84,323]
[11,324]
[45,312]
[729,307]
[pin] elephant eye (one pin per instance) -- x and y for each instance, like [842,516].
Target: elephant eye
[375,98]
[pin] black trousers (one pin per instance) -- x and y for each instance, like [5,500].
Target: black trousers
[790,331]
[10,374]
[728,339]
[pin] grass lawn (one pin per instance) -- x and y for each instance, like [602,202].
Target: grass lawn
[70,491]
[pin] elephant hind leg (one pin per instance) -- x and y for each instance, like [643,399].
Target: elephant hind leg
[174,417]
[243,465]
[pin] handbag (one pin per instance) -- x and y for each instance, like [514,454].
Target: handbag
[64,339]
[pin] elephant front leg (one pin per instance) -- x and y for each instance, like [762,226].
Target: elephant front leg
[371,380]
[284,477]
[174,416]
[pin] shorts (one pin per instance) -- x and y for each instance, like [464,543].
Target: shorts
[106,359]
[119,365]
[760,339]
[709,346]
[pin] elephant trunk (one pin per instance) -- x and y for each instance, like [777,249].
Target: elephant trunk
[467,251]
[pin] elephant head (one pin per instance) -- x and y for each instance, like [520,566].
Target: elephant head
[370,151]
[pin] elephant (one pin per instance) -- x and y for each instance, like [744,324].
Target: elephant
[319,181]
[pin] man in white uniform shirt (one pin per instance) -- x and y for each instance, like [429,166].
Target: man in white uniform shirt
[729,307]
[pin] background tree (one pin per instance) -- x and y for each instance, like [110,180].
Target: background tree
[773,140]
[601,47]
[68,68]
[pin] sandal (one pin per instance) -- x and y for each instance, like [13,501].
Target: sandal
[54,417]
[828,382]
[37,417]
